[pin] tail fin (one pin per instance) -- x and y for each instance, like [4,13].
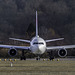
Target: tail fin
[36,25]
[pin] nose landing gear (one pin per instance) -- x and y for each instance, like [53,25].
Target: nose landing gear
[38,58]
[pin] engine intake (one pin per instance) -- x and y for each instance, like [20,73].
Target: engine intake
[62,52]
[12,52]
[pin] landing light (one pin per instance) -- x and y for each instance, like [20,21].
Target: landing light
[57,59]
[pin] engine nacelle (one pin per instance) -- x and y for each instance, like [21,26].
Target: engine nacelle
[62,52]
[12,52]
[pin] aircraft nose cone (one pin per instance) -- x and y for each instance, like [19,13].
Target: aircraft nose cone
[39,47]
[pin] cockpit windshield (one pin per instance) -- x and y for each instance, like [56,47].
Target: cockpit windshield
[38,43]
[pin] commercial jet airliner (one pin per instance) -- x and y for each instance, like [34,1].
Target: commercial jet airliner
[37,46]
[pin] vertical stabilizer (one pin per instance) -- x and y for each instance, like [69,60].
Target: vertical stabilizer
[36,25]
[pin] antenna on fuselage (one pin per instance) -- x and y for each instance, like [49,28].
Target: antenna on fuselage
[36,25]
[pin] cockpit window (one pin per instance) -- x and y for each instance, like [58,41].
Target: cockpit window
[38,43]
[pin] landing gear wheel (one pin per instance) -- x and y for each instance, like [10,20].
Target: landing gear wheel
[51,58]
[38,58]
[51,55]
[23,58]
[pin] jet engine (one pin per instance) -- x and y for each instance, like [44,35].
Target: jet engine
[62,52]
[12,52]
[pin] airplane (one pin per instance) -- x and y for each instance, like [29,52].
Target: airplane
[37,46]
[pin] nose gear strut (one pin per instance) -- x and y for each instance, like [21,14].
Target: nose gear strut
[38,58]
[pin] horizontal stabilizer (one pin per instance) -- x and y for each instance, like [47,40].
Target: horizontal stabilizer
[54,40]
[20,40]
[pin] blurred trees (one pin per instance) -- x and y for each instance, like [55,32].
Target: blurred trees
[17,15]
[56,19]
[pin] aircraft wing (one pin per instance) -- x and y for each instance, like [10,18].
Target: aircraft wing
[20,40]
[59,47]
[17,47]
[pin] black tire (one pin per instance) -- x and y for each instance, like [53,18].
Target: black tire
[37,58]
[23,58]
[51,58]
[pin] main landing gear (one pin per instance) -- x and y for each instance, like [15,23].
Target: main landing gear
[23,57]
[51,55]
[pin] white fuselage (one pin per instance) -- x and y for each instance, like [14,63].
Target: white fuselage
[38,45]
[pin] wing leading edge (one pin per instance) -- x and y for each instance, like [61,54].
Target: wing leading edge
[17,47]
[59,47]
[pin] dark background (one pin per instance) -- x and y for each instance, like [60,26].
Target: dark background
[56,19]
